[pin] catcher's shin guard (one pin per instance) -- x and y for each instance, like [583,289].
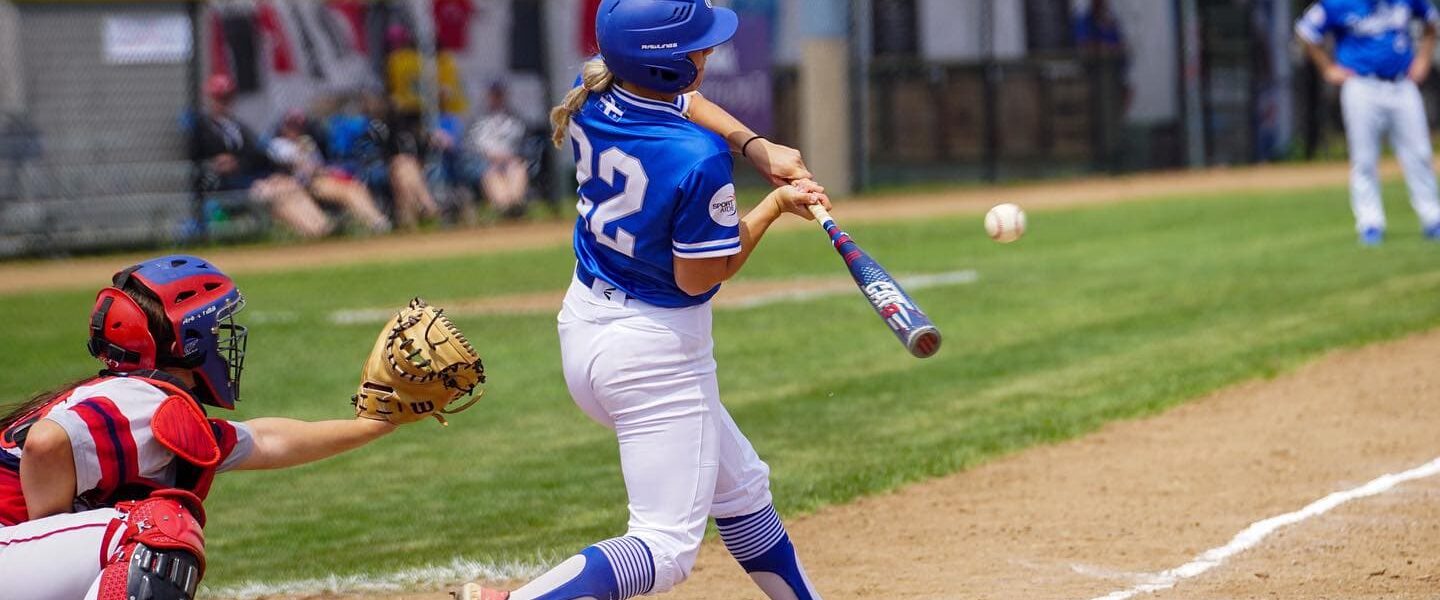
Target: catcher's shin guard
[758,541]
[162,553]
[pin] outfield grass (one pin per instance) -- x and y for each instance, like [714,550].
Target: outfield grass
[1099,314]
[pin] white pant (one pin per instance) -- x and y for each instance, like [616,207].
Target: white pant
[58,557]
[649,374]
[1373,107]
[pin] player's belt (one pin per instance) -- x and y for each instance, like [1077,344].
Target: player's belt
[603,290]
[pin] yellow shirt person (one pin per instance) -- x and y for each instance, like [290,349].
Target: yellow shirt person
[403,72]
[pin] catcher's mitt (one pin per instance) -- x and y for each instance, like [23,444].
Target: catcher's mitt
[421,363]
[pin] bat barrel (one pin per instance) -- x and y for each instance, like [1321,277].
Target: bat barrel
[910,324]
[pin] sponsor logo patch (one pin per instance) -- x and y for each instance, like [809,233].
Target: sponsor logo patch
[722,206]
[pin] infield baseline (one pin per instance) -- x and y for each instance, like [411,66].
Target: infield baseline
[1259,530]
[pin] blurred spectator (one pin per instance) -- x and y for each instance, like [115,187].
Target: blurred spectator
[236,161]
[1097,29]
[403,72]
[1097,33]
[454,171]
[294,150]
[497,138]
[392,157]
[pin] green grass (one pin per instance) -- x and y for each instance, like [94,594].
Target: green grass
[1099,314]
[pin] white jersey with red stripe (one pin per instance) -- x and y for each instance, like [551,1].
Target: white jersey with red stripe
[117,456]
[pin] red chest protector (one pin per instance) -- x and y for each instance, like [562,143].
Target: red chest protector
[179,424]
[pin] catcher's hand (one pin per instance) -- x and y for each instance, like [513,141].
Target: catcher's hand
[421,363]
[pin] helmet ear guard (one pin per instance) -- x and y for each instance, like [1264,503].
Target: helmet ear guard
[120,333]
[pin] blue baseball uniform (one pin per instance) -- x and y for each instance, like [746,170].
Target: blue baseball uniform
[653,186]
[638,358]
[1372,39]
[637,355]
[636,350]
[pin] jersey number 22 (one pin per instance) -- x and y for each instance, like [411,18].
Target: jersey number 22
[628,202]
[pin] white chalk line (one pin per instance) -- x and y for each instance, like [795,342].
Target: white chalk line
[1252,535]
[909,282]
[426,578]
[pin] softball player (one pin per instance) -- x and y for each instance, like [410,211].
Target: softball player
[1378,69]
[658,231]
[101,481]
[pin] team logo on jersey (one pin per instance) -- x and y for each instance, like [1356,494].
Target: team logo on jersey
[611,108]
[1383,19]
[722,207]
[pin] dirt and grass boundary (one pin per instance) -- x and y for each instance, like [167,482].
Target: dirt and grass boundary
[30,276]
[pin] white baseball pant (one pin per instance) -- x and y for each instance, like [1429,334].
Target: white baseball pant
[648,373]
[58,557]
[1372,107]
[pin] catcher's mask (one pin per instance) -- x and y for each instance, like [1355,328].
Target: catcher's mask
[199,304]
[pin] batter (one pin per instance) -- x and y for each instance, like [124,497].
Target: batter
[659,230]
[1378,70]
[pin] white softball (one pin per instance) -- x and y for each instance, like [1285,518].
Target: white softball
[1005,223]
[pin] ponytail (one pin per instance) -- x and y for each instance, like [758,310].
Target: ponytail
[595,77]
[14,413]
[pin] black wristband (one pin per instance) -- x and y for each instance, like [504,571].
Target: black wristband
[746,145]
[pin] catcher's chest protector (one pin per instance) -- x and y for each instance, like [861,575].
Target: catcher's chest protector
[179,424]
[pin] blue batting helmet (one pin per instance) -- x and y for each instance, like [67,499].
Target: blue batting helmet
[645,42]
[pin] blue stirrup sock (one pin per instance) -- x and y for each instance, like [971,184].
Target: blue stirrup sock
[761,545]
[615,569]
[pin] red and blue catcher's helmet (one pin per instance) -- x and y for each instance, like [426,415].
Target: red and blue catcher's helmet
[645,42]
[200,304]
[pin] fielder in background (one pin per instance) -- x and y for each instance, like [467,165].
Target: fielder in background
[102,480]
[1378,69]
[659,230]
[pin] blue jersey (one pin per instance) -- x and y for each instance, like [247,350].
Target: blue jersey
[1372,37]
[653,186]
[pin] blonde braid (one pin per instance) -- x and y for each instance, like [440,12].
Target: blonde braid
[595,77]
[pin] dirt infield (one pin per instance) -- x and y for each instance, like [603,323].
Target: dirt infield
[1092,516]
[38,275]
[1105,512]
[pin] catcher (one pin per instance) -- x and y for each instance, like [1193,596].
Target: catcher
[102,480]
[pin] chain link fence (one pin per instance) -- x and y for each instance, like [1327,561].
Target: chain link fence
[148,124]
[92,153]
